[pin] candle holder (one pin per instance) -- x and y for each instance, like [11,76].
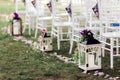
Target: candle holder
[89,52]
[89,56]
[45,41]
[16,24]
[16,28]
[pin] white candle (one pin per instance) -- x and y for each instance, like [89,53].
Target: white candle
[16,27]
[91,60]
[16,31]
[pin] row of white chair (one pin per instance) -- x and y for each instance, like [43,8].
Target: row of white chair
[109,17]
[83,12]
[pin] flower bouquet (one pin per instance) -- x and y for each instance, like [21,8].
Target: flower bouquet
[44,34]
[14,16]
[44,31]
[87,37]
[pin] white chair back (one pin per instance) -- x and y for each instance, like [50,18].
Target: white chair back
[43,16]
[19,6]
[109,12]
[30,14]
[30,8]
[109,17]
[40,7]
[61,17]
[58,7]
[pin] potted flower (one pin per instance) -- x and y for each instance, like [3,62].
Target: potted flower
[16,24]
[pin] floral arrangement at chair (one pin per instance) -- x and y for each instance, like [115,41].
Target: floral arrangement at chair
[44,31]
[69,10]
[96,10]
[44,34]
[33,2]
[14,16]
[87,37]
[49,4]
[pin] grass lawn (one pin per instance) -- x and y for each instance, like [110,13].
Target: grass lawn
[19,61]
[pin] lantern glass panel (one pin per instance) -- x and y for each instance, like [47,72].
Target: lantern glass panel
[95,59]
[16,29]
[82,58]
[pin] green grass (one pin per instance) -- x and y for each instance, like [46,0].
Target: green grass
[6,6]
[19,61]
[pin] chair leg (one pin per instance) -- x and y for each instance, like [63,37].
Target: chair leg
[103,50]
[111,54]
[32,24]
[29,29]
[71,46]
[58,42]
[36,33]
[61,33]
[58,36]
[111,60]
[25,25]
[24,28]
[69,33]
[117,44]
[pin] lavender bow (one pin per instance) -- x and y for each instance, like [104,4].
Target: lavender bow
[50,5]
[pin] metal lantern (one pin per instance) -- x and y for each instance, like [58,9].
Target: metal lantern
[46,44]
[16,28]
[89,56]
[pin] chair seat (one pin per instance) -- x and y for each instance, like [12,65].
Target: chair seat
[111,34]
[113,27]
[62,14]
[94,21]
[45,18]
[62,24]
[93,28]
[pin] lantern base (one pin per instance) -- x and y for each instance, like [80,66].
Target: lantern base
[89,56]
[90,68]
[87,71]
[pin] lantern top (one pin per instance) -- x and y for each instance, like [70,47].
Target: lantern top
[90,41]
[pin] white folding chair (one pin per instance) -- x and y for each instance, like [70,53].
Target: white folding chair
[84,11]
[29,16]
[19,6]
[43,17]
[92,20]
[60,21]
[76,20]
[109,14]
